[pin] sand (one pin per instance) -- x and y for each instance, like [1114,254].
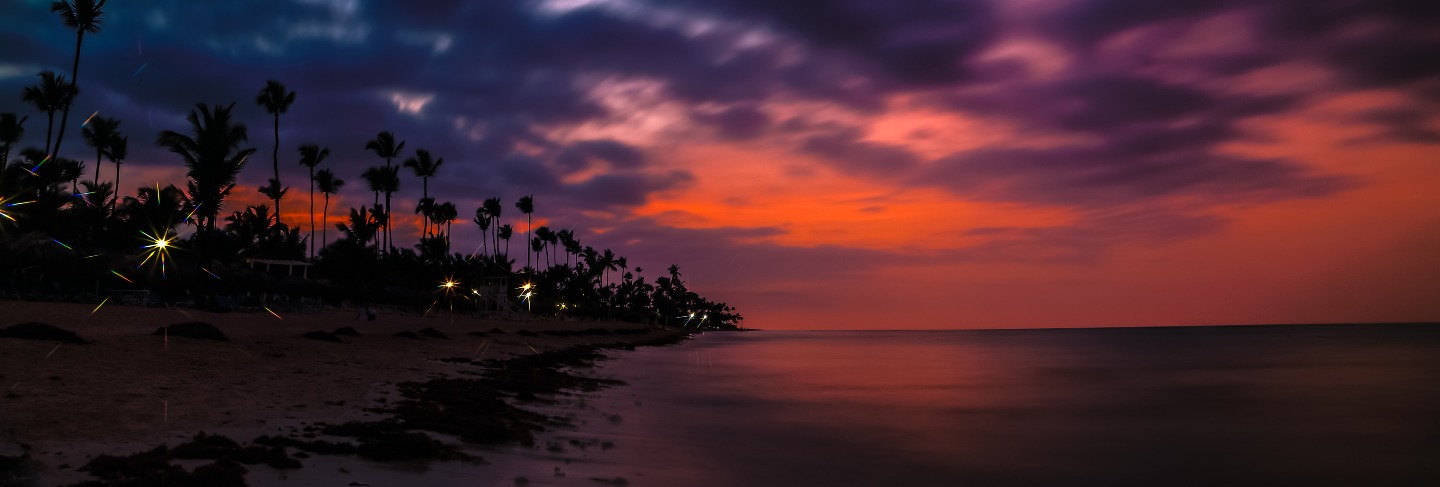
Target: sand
[129,390]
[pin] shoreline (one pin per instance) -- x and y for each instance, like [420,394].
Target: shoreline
[129,391]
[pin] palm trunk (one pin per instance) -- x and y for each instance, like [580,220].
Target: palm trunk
[325,218]
[275,159]
[49,130]
[98,154]
[117,188]
[75,82]
[389,233]
[312,213]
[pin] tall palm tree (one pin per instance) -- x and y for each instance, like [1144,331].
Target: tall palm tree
[445,214]
[50,95]
[212,156]
[11,129]
[426,209]
[569,243]
[482,220]
[548,237]
[119,148]
[386,148]
[389,184]
[312,155]
[425,168]
[504,232]
[494,208]
[82,16]
[100,134]
[273,191]
[276,100]
[328,184]
[527,206]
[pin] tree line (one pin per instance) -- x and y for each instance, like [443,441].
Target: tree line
[68,236]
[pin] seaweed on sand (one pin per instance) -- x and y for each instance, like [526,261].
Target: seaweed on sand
[323,336]
[41,331]
[198,330]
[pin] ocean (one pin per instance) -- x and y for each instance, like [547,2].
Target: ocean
[1259,405]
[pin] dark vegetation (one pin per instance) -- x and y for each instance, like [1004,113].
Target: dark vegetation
[41,331]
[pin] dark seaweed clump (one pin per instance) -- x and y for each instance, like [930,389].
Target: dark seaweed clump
[153,467]
[406,334]
[390,441]
[345,331]
[428,332]
[41,331]
[198,330]
[323,336]
[16,471]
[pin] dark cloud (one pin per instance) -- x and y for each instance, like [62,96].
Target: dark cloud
[845,151]
[736,123]
[1092,236]
[1102,177]
[1411,125]
[917,43]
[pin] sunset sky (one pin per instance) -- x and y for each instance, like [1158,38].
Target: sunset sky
[846,163]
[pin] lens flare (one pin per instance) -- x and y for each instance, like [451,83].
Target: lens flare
[158,249]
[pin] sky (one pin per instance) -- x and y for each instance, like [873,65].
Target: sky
[853,164]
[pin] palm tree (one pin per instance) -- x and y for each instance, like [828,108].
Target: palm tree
[504,232]
[50,95]
[312,155]
[385,147]
[425,168]
[569,243]
[11,129]
[329,184]
[273,191]
[276,101]
[100,134]
[119,148]
[548,237]
[482,220]
[83,16]
[527,206]
[606,263]
[372,177]
[493,208]
[362,226]
[426,209]
[212,156]
[445,214]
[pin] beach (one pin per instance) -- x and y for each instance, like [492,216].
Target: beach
[129,390]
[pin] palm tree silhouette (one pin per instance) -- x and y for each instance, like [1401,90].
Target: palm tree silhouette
[276,101]
[119,148]
[425,168]
[11,129]
[328,184]
[504,232]
[50,95]
[212,156]
[482,220]
[494,208]
[385,147]
[100,134]
[361,228]
[527,206]
[312,155]
[82,16]
[445,214]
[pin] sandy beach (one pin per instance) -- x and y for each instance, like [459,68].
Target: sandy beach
[128,390]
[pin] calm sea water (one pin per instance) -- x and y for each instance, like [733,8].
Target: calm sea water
[1293,405]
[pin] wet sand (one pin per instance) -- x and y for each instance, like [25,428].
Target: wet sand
[129,391]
